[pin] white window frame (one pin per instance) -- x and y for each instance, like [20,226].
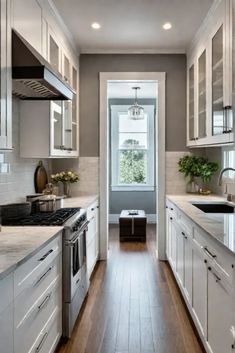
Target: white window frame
[115,110]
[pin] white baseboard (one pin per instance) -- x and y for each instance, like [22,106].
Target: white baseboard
[114,218]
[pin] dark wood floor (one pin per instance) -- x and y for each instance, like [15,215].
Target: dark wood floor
[133,306]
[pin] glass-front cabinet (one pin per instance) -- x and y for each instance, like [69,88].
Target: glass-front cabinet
[5,76]
[202,96]
[210,111]
[191,98]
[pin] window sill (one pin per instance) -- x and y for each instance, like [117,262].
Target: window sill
[132,188]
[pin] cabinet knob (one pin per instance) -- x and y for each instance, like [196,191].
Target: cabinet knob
[172,209]
[205,261]
[209,268]
[171,218]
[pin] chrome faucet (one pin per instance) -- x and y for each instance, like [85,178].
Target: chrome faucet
[221,174]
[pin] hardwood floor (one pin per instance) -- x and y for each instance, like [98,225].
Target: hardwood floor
[134,306]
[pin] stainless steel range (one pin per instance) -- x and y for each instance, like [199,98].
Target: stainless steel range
[75,279]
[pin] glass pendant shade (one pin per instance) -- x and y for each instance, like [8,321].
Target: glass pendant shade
[135,111]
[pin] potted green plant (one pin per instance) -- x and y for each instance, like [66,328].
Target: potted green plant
[66,178]
[196,167]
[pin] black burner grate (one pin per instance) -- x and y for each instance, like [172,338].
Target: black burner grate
[56,218]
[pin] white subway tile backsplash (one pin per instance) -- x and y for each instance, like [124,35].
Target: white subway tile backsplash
[175,181]
[19,181]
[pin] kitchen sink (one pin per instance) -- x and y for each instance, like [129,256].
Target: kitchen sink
[215,207]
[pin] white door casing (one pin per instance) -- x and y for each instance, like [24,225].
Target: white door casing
[159,78]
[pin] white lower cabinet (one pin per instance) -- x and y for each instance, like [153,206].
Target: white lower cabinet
[6,330]
[221,315]
[31,303]
[188,268]
[204,271]
[199,289]
[92,237]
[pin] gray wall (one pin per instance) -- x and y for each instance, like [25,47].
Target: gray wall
[175,67]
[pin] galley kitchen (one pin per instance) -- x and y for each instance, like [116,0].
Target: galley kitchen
[117,161]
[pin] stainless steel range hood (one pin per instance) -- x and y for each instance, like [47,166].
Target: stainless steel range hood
[32,76]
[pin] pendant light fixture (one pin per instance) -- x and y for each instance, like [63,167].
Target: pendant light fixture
[136,112]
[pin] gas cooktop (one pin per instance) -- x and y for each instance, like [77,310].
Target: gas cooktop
[56,218]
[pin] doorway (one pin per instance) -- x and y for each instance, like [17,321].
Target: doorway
[123,142]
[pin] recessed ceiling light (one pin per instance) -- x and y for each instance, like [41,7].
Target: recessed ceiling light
[95,25]
[167,26]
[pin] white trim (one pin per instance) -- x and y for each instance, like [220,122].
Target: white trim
[132,51]
[114,218]
[104,155]
[133,188]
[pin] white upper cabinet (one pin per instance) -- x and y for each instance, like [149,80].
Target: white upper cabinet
[54,50]
[27,20]
[210,81]
[5,89]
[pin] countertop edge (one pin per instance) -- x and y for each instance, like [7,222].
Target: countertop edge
[12,268]
[170,197]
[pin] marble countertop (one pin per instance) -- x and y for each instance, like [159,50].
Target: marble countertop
[18,244]
[220,226]
[83,201]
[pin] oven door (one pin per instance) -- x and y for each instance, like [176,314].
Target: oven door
[74,260]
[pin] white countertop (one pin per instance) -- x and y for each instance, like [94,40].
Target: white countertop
[18,244]
[219,225]
[82,201]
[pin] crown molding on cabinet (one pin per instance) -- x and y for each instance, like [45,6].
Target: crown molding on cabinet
[132,51]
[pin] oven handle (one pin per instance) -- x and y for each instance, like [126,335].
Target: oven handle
[74,240]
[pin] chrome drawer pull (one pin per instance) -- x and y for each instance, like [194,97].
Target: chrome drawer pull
[41,342]
[44,275]
[209,253]
[41,306]
[216,277]
[45,256]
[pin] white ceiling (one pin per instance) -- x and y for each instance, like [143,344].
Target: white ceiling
[132,25]
[124,89]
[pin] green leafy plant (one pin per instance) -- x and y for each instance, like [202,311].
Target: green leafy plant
[195,166]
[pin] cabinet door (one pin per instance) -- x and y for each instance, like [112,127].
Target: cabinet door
[66,68]
[6,330]
[180,255]
[57,126]
[27,20]
[67,111]
[188,275]
[191,103]
[173,244]
[202,95]
[199,289]
[221,315]
[75,109]
[54,51]
[5,88]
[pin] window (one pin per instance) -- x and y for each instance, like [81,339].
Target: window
[132,149]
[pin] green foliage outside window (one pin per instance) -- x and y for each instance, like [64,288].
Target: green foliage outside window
[132,166]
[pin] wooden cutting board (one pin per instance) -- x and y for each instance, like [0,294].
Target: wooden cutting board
[40,178]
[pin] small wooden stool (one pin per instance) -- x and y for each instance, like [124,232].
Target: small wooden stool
[132,227]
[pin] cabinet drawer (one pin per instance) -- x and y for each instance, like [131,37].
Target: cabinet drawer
[221,259]
[35,267]
[6,290]
[27,298]
[92,209]
[171,208]
[49,336]
[37,316]
[185,224]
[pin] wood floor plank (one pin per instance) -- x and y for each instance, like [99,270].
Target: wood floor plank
[133,306]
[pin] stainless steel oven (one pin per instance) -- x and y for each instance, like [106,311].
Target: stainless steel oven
[74,273]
